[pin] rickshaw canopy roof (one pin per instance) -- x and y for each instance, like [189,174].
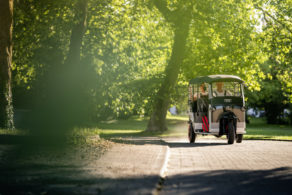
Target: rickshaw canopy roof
[216,78]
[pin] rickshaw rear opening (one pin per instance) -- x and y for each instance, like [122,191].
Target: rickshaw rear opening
[217,107]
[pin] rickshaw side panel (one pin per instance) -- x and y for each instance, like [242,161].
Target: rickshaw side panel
[240,125]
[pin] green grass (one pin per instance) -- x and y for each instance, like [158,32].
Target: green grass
[12,132]
[136,126]
[258,129]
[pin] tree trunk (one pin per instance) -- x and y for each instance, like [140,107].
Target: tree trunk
[60,110]
[6,108]
[73,101]
[70,98]
[158,118]
[77,33]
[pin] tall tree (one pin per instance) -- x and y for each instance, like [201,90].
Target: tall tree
[73,102]
[66,95]
[60,108]
[180,19]
[77,33]
[6,108]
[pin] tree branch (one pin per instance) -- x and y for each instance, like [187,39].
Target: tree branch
[161,5]
[273,18]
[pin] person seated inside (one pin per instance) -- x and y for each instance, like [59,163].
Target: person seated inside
[219,91]
[202,92]
[203,96]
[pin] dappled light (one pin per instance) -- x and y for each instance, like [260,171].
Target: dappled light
[129,96]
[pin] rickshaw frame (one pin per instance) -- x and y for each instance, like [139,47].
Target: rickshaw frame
[222,116]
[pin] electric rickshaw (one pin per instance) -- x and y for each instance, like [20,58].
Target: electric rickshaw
[217,107]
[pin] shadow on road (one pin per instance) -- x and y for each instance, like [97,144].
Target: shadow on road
[274,181]
[36,169]
[139,141]
[192,145]
[157,141]
[74,182]
[62,172]
[71,180]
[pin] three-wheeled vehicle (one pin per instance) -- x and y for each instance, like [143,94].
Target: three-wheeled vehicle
[217,107]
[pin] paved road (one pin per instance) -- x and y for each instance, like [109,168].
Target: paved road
[210,166]
[135,165]
[213,167]
[131,166]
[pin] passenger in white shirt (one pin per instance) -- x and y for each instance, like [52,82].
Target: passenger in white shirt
[220,92]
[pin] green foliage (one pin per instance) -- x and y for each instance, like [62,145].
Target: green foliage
[223,40]
[41,36]
[124,51]
[127,46]
[276,39]
[271,97]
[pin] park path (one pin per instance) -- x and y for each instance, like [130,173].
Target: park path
[132,166]
[151,165]
[211,166]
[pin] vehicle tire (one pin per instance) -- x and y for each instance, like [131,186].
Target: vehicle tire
[239,138]
[231,133]
[191,133]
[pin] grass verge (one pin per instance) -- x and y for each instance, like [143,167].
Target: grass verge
[258,129]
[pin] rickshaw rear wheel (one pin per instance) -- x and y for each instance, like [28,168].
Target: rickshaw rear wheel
[239,138]
[191,134]
[231,133]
